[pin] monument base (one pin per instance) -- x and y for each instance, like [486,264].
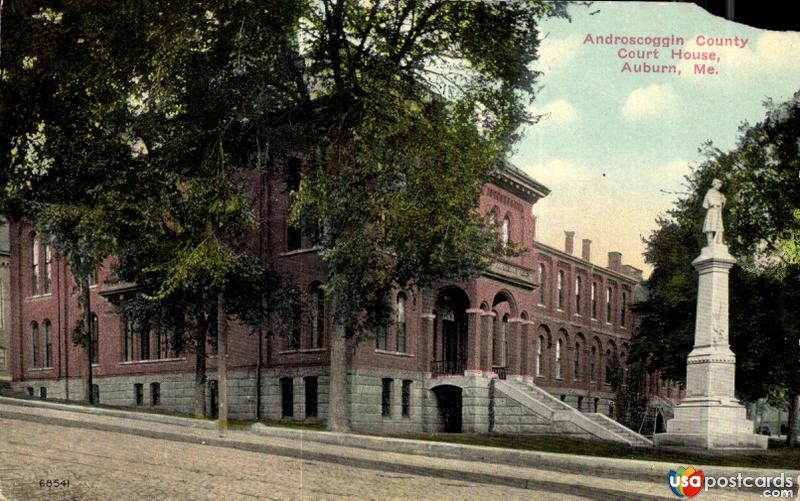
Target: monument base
[708,423]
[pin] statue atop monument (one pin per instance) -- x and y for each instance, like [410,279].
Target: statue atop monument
[713,202]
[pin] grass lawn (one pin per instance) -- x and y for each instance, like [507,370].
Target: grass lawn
[777,456]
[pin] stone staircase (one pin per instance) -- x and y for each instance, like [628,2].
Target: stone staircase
[565,419]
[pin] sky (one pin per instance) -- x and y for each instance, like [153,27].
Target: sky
[614,146]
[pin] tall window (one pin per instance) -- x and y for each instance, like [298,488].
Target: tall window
[48,346]
[293,235]
[558,359]
[622,309]
[578,295]
[608,367]
[506,230]
[311,396]
[539,343]
[608,305]
[155,394]
[317,306]
[541,284]
[294,338]
[144,344]
[594,299]
[504,343]
[34,334]
[287,397]
[95,331]
[386,397]
[400,319]
[34,249]
[406,398]
[560,288]
[577,361]
[593,364]
[47,253]
[381,338]
[128,327]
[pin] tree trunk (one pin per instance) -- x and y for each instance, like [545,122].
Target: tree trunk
[87,325]
[200,367]
[222,369]
[259,366]
[794,408]
[337,402]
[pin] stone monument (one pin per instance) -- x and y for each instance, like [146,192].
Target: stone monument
[710,417]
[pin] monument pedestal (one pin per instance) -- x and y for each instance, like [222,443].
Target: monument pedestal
[710,417]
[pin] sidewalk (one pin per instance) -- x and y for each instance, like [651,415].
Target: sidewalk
[581,476]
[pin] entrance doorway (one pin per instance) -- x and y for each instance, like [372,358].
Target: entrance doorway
[448,402]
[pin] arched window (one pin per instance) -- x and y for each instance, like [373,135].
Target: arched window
[578,295]
[539,345]
[560,289]
[317,315]
[48,346]
[95,332]
[506,229]
[622,309]
[47,253]
[594,299]
[608,305]
[541,284]
[34,250]
[593,364]
[558,359]
[577,361]
[34,335]
[608,366]
[400,319]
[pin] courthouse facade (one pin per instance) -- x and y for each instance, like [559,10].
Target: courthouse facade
[469,356]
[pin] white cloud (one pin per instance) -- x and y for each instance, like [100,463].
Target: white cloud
[557,53]
[651,102]
[557,113]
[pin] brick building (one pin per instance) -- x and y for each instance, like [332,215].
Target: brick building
[5,303]
[516,350]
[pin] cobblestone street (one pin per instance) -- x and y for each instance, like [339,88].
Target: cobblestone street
[105,465]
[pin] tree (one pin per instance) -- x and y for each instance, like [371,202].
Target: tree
[759,178]
[408,107]
[153,114]
[63,97]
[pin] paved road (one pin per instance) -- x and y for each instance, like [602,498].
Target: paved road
[116,466]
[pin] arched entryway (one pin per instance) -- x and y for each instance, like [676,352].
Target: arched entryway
[659,427]
[450,332]
[448,403]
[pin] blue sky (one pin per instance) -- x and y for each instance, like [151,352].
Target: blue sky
[614,147]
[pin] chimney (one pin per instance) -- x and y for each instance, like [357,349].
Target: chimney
[569,244]
[586,252]
[614,261]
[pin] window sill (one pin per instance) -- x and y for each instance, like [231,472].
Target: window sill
[152,361]
[38,297]
[541,305]
[40,369]
[300,351]
[296,252]
[394,353]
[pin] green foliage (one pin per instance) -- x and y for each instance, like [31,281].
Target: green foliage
[409,108]
[759,180]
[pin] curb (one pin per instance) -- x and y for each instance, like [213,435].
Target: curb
[624,469]
[99,411]
[616,468]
